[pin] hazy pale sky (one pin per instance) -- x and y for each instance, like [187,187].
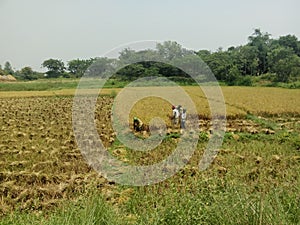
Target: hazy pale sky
[35,30]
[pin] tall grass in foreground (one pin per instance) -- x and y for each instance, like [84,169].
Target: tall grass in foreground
[225,208]
[92,210]
[207,207]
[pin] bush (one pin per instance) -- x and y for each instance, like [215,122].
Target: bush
[245,81]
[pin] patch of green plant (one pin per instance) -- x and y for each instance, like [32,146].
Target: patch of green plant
[203,137]
[292,138]
[172,135]
[228,137]
[262,122]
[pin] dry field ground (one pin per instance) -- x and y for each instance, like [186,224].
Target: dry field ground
[41,166]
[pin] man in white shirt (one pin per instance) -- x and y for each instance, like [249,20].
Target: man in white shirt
[183,119]
[175,115]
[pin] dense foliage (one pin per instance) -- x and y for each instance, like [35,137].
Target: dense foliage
[278,58]
[261,59]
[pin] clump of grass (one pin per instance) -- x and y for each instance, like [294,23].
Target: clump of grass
[90,210]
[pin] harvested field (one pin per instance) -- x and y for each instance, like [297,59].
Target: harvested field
[41,166]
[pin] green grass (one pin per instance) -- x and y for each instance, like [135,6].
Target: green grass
[215,203]
[71,83]
[211,204]
[39,85]
[90,210]
[203,202]
[56,84]
[263,122]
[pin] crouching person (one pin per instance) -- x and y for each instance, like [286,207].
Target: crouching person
[137,124]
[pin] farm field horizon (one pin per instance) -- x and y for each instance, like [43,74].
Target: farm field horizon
[254,179]
[238,100]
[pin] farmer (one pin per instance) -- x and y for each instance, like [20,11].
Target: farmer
[137,124]
[175,115]
[183,119]
[179,108]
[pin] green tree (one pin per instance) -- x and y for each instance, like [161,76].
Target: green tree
[233,75]
[8,69]
[131,72]
[100,67]
[203,54]
[1,71]
[151,72]
[78,67]
[128,56]
[170,50]
[220,63]
[27,73]
[290,41]
[56,68]
[248,56]
[287,68]
[284,63]
[194,65]
[261,42]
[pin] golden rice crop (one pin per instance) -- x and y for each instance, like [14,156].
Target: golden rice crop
[40,164]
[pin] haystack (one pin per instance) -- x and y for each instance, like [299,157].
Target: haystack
[7,78]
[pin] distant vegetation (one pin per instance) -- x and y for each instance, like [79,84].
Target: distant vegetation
[263,61]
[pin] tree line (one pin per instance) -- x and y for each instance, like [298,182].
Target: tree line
[275,60]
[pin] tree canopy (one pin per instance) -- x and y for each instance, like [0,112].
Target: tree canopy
[262,56]
[55,67]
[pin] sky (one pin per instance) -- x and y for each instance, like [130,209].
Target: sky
[35,30]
